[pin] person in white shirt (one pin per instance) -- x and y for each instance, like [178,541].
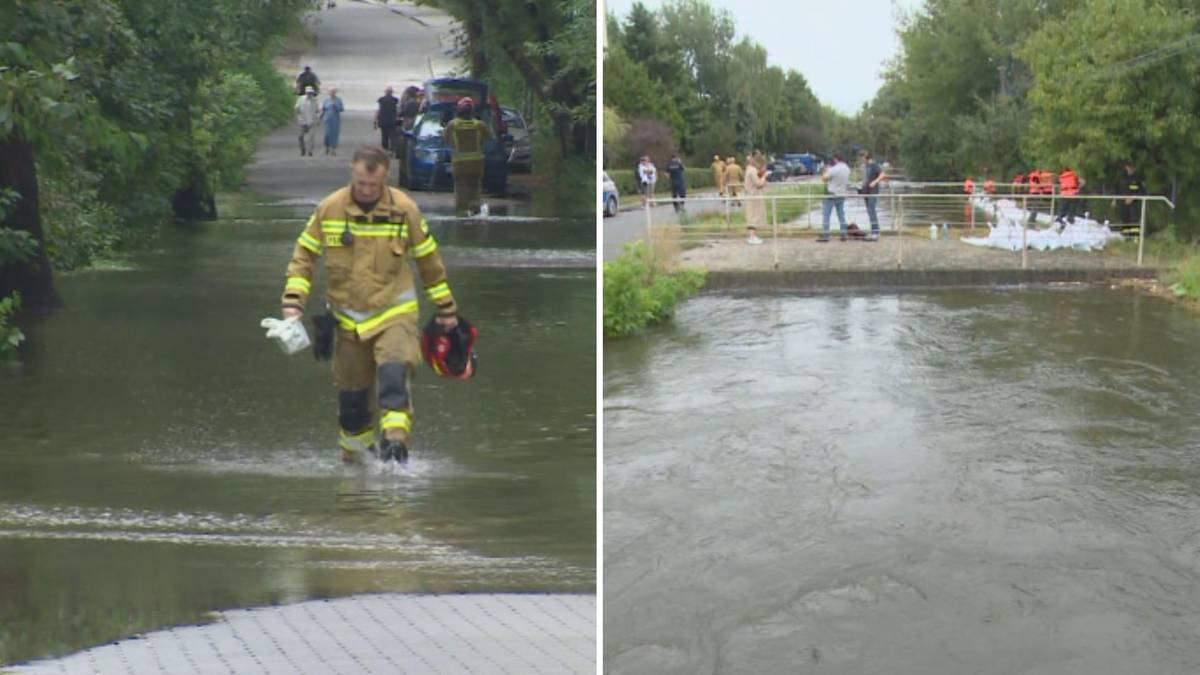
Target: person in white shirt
[837,184]
[647,177]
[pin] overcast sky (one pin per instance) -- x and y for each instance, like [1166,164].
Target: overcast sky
[840,46]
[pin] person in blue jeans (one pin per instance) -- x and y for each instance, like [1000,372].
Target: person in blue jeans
[837,182]
[872,176]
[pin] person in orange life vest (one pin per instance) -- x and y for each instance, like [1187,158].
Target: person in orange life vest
[1035,189]
[1047,178]
[1069,183]
[969,185]
[989,186]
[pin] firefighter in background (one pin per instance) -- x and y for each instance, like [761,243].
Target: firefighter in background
[466,136]
[1130,209]
[367,232]
[1068,186]
[718,169]
[733,177]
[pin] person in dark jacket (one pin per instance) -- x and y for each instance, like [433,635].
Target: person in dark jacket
[307,79]
[1131,184]
[385,117]
[678,185]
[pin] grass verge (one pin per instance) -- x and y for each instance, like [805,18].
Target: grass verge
[643,287]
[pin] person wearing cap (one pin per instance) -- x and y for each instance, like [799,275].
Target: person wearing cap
[368,235]
[718,169]
[733,177]
[466,136]
[385,117]
[305,80]
[308,115]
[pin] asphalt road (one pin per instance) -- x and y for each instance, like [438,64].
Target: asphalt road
[360,49]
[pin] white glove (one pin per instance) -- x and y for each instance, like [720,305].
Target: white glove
[288,333]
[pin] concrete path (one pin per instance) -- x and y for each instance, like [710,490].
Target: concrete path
[394,633]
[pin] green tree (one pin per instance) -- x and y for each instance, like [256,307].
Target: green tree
[1117,80]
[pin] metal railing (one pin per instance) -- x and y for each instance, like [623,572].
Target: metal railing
[898,205]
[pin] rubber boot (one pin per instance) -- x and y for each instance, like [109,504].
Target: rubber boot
[391,449]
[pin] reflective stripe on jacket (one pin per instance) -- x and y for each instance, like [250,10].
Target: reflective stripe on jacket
[369,281]
[466,137]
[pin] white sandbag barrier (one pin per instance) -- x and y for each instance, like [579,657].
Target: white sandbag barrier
[1010,231]
[392,633]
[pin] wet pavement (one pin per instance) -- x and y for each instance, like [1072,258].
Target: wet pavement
[939,482]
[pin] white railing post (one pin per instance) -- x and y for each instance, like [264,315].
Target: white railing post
[1024,230]
[1142,233]
[898,225]
[775,229]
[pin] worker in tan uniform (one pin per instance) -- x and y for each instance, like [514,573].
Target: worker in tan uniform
[367,233]
[733,177]
[718,169]
[466,136]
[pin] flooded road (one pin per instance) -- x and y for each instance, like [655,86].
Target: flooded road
[161,459]
[959,481]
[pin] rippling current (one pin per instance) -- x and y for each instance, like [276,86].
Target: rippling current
[945,482]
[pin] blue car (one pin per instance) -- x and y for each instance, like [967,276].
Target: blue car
[426,161]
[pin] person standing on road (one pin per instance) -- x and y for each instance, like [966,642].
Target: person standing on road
[367,233]
[331,117]
[678,185]
[756,210]
[733,178]
[837,182]
[718,169]
[466,136]
[647,176]
[308,115]
[305,80]
[385,117]
[872,177]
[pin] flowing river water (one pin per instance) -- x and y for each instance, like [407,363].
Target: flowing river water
[953,481]
[160,459]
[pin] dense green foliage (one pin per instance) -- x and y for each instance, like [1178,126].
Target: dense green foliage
[1003,87]
[15,246]
[681,65]
[130,103]
[637,293]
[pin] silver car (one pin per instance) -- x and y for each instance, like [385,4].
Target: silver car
[520,156]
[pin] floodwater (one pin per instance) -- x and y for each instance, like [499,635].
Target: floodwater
[959,481]
[161,459]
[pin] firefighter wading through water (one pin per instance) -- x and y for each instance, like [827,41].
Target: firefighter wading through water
[466,136]
[367,233]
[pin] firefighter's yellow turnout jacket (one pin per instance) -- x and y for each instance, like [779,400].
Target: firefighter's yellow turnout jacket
[370,283]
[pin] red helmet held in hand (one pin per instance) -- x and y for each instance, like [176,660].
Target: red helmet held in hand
[450,352]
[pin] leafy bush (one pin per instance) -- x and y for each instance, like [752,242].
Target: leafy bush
[10,336]
[230,114]
[1185,279]
[636,294]
[79,226]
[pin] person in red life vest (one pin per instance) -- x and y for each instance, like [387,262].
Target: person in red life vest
[1047,178]
[1069,183]
[969,185]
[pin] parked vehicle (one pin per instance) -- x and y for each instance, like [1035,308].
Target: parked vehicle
[521,155]
[780,169]
[610,197]
[426,162]
[803,162]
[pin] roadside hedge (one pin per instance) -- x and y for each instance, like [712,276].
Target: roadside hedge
[694,178]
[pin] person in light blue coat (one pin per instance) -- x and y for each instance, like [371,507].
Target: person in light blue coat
[331,117]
